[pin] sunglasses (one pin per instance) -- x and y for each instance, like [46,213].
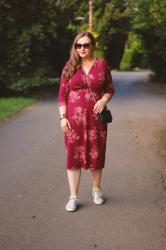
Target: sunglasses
[85,45]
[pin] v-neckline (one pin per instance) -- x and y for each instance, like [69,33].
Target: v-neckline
[90,67]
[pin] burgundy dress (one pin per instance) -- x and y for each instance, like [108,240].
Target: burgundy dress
[86,142]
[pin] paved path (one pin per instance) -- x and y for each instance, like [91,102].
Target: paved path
[34,188]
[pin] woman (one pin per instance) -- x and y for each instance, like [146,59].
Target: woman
[84,134]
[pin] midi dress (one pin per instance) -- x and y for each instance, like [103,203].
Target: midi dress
[85,144]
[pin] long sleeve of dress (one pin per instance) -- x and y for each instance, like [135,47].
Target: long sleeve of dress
[63,91]
[108,86]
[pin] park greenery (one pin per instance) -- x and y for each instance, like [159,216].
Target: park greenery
[36,37]
[12,105]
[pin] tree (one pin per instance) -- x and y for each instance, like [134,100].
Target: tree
[113,25]
[149,21]
[34,38]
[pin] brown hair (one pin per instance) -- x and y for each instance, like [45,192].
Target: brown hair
[74,61]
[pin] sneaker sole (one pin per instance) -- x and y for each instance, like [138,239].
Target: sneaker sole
[73,210]
[98,203]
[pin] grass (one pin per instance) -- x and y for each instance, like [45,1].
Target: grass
[164,182]
[12,105]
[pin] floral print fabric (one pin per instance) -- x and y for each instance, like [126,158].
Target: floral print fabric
[86,142]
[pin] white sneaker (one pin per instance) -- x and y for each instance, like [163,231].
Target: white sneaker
[97,196]
[72,204]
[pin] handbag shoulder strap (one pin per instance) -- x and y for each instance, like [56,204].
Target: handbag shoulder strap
[88,83]
[90,89]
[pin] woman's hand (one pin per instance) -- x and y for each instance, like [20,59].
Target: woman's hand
[99,106]
[65,125]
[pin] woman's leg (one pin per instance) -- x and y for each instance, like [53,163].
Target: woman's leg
[96,191]
[96,177]
[74,180]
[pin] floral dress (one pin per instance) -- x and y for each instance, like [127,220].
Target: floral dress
[86,142]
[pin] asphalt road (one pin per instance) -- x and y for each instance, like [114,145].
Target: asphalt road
[34,188]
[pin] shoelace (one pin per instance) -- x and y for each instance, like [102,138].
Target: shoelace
[71,200]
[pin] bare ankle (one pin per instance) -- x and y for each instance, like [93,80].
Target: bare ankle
[73,196]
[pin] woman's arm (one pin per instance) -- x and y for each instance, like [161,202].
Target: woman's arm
[108,90]
[100,104]
[65,125]
[62,110]
[62,103]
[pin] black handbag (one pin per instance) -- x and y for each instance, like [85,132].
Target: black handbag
[105,115]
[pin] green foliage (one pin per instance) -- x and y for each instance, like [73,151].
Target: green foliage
[30,83]
[113,24]
[144,18]
[149,21]
[126,59]
[34,36]
[164,181]
[158,10]
[12,105]
[134,55]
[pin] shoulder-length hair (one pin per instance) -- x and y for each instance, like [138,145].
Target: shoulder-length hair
[74,61]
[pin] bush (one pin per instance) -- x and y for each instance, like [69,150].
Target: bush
[134,55]
[35,82]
